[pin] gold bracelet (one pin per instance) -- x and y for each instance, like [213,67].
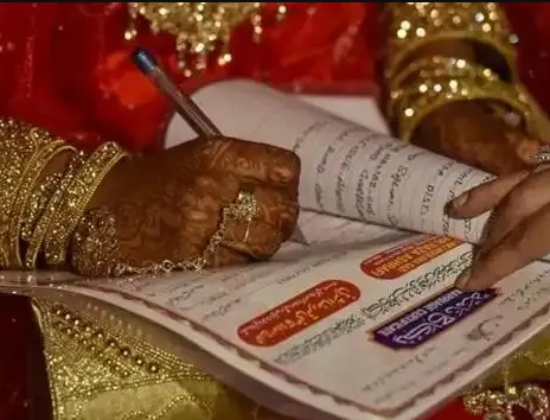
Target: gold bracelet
[417,106]
[441,69]
[413,25]
[76,198]
[439,66]
[38,203]
[50,213]
[95,252]
[35,167]
[19,146]
[457,80]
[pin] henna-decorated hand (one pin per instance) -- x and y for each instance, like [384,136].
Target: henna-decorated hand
[168,206]
[470,133]
[519,231]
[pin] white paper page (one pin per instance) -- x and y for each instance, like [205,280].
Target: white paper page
[347,170]
[357,340]
[362,110]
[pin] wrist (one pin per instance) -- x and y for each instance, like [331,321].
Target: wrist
[116,181]
[469,133]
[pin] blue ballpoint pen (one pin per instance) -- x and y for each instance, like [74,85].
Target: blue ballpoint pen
[183,104]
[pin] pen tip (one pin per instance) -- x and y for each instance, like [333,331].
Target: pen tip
[144,60]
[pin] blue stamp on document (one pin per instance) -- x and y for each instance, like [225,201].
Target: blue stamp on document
[431,318]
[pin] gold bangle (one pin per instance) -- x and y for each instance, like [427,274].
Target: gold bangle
[414,25]
[50,213]
[76,198]
[38,203]
[418,106]
[19,147]
[457,80]
[94,245]
[436,68]
[29,179]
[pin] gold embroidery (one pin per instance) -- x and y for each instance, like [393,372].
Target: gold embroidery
[495,404]
[99,372]
[200,28]
[498,405]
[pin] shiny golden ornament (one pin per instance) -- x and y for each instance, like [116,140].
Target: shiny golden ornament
[500,405]
[201,29]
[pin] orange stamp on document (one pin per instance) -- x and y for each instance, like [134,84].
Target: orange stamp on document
[297,314]
[402,259]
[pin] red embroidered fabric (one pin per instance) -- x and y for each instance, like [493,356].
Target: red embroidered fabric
[65,67]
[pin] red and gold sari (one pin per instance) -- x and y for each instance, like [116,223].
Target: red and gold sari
[65,67]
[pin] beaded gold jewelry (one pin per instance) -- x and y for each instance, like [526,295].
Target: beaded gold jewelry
[50,212]
[76,198]
[501,404]
[35,167]
[94,249]
[24,151]
[200,28]
[95,253]
[38,203]
[414,25]
[429,83]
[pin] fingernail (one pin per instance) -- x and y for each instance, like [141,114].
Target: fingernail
[462,281]
[460,200]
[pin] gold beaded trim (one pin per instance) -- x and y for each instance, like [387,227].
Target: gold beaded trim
[94,247]
[201,29]
[500,405]
[50,212]
[414,25]
[433,82]
[92,354]
[496,404]
[76,198]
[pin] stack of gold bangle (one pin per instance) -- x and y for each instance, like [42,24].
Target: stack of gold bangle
[412,26]
[419,86]
[40,212]
[429,83]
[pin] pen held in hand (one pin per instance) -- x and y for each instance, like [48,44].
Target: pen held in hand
[183,104]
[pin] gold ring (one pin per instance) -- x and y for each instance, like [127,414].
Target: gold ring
[244,210]
[542,157]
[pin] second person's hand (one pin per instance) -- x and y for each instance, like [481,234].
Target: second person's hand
[519,229]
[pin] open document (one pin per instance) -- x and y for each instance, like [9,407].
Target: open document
[362,323]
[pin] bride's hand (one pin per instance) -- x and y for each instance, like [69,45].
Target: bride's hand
[469,133]
[519,231]
[168,206]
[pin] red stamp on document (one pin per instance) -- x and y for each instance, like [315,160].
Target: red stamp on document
[299,313]
[403,259]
